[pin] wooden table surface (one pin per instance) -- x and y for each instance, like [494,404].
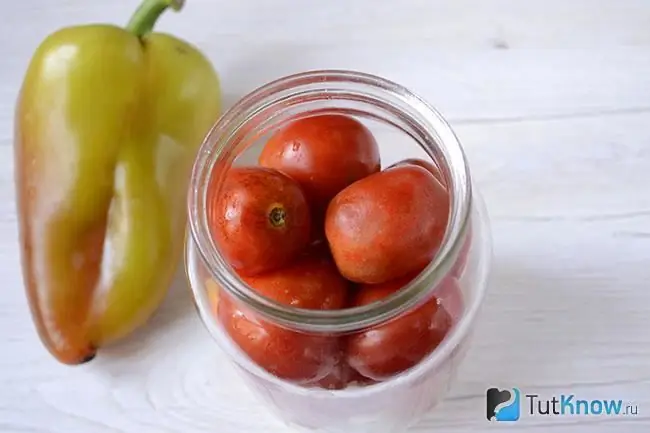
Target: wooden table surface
[552,102]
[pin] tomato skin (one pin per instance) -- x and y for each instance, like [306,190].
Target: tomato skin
[324,154]
[260,220]
[463,256]
[311,283]
[387,224]
[393,347]
[427,165]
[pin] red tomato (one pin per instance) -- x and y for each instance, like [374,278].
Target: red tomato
[260,219]
[387,225]
[324,154]
[388,349]
[427,165]
[311,283]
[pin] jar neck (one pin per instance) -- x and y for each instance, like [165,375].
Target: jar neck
[347,92]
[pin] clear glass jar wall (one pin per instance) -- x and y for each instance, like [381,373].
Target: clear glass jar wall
[314,368]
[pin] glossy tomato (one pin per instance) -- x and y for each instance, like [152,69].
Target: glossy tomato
[260,219]
[387,225]
[311,283]
[324,153]
[427,165]
[393,347]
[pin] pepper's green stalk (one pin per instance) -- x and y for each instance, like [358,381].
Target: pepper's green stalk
[145,17]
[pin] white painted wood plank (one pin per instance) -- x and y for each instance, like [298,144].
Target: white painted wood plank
[251,43]
[441,23]
[468,87]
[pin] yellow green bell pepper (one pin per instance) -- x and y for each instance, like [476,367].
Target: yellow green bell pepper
[107,125]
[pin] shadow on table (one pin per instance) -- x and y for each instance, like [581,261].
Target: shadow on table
[177,307]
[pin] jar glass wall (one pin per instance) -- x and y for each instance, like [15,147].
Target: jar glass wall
[318,369]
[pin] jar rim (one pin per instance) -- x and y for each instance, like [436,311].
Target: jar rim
[215,149]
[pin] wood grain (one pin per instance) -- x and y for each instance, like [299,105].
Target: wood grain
[552,102]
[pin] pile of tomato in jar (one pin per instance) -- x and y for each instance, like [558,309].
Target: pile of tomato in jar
[318,224]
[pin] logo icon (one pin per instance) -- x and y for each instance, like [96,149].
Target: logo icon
[502,405]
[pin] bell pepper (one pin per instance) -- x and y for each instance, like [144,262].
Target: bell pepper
[107,125]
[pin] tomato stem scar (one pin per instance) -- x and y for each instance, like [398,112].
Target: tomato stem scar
[277,215]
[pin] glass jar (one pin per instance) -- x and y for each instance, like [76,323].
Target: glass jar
[447,294]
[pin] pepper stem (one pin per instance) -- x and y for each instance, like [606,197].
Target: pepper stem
[145,17]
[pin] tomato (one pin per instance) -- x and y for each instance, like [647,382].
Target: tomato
[427,165]
[312,283]
[387,225]
[395,346]
[324,154]
[461,262]
[260,220]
